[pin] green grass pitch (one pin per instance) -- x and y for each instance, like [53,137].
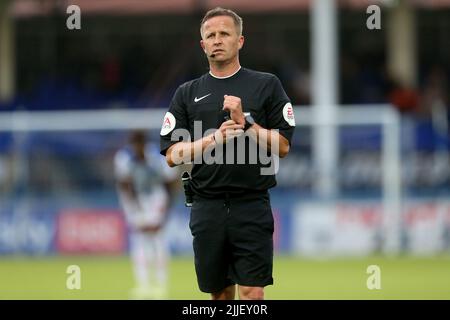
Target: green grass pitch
[295,278]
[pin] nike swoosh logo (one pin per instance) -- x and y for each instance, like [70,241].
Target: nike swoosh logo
[201,98]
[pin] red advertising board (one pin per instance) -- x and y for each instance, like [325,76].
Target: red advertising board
[90,231]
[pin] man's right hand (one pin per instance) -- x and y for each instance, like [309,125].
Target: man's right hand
[228,131]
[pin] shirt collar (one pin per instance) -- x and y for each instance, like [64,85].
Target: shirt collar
[225,76]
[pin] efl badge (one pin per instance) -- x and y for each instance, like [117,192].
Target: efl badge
[168,124]
[288,114]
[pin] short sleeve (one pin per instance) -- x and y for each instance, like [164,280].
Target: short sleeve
[175,118]
[280,113]
[122,165]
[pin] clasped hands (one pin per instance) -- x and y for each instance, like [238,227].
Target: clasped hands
[234,127]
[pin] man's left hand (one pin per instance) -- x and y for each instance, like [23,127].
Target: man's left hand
[234,106]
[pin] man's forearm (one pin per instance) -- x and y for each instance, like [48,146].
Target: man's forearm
[270,140]
[184,152]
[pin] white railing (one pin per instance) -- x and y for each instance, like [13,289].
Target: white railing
[383,115]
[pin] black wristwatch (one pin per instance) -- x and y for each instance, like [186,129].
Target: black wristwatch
[249,121]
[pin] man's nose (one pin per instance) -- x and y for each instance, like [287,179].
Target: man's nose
[217,40]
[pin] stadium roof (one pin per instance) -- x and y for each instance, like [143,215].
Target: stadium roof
[129,7]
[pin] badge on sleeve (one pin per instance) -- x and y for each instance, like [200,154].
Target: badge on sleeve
[288,114]
[168,124]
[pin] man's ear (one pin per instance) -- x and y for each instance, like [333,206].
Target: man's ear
[202,45]
[241,42]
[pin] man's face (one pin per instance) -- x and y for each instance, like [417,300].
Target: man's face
[220,38]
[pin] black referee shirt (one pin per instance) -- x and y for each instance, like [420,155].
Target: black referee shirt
[262,96]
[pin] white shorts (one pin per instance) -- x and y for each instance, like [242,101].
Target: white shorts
[152,209]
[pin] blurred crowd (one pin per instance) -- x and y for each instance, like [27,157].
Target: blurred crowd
[136,63]
[122,82]
[115,78]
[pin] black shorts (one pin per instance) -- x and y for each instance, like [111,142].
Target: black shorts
[233,241]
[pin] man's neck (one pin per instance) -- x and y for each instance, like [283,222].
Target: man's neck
[224,70]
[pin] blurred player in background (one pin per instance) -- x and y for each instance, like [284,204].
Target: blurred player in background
[146,187]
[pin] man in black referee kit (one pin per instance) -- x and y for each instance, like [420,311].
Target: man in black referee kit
[231,218]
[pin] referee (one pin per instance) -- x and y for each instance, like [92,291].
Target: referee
[231,218]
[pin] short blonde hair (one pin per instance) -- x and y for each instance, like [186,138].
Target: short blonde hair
[216,12]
